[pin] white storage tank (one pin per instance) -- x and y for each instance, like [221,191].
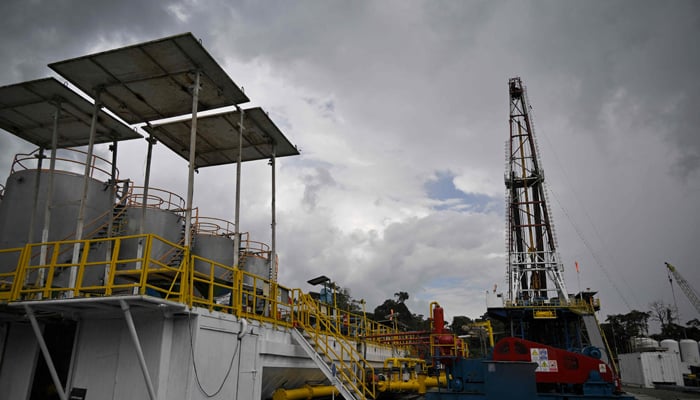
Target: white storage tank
[671,346]
[690,354]
[644,343]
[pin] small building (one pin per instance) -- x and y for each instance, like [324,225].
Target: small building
[650,368]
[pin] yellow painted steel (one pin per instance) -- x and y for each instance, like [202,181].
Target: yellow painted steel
[403,374]
[7,279]
[305,392]
[169,275]
[324,333]
[544,314]
[489,329]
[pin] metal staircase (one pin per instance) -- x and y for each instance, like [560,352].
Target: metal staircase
[115,225]
[337,358]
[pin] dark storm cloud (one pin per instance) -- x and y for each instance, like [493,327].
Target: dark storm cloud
[383,93]
[35,33]
[639,55]
[55,30]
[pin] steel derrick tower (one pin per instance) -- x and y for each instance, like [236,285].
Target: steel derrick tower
[534,271]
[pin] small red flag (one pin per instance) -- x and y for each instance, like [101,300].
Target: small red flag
[577,270]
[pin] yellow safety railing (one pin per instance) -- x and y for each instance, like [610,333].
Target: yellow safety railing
[94,274]
[152,266]
[9,259]
[576,305]
[322,329]
[447,345]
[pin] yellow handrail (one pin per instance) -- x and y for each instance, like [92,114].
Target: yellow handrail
[352,369]
[168,270]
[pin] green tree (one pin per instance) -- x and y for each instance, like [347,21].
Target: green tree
[396,312]
[401,296]
[620,328]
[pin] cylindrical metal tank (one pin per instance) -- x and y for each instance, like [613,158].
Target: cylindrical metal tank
[644,343]
[671,346]
[18,202]
[255,265]
[164,223]
[215,248]
[690,353]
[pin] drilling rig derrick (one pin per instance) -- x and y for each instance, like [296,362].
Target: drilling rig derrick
[534,270]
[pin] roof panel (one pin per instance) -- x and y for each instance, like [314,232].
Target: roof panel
[27,111]
[217,138]
[152,80]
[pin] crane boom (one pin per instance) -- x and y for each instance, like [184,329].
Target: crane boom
[685,286]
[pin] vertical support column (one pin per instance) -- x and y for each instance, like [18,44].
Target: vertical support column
[273,225]
[45,352]
[193,155]
[147,182]
[236,220]
[83,198]
[49,193]
[113,179]
[112,202]
[37,186]
[144,201]
[139,351]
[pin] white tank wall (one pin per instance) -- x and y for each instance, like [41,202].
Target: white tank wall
[639,343]
[690,353]
[670,345]
[16,207]
[166,224]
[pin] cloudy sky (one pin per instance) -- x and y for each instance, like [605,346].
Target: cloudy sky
[400,109]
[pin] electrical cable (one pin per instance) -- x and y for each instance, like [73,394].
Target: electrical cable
[578,231]
[194,363]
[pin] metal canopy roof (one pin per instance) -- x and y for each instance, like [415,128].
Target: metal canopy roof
[109,305]
[217,138]
[153,80]
[27,110]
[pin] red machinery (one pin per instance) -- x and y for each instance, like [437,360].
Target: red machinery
[444,343]
[554,366]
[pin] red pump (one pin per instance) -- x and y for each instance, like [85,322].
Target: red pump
[554,366]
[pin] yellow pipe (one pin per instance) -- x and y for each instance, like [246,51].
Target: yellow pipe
[388,386]
[305,392]
[419,384]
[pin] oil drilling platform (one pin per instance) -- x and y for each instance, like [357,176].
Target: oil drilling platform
[537,305]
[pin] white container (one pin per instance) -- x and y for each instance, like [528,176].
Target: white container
[690,354]
[649,368]
[670,345]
